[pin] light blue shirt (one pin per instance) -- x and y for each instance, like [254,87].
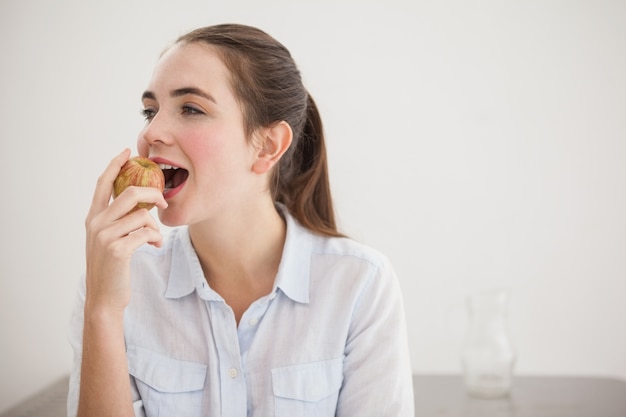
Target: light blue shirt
[329,340]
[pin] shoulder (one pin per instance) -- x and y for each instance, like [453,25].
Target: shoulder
[349,250]
[352,262]
[334,264]
[330,252]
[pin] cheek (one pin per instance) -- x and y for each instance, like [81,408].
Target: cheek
[199,143]
[199,149]
[219,145]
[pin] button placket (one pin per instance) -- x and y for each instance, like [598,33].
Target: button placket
[234,394]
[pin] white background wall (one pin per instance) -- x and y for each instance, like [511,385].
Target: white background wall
[478,144]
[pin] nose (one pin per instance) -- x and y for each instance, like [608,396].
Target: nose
[155,133]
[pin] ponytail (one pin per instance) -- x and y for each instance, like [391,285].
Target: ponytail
[305,189]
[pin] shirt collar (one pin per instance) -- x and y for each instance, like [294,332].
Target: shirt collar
[185,273]
[293,275]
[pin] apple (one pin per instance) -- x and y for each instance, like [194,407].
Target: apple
[140,172]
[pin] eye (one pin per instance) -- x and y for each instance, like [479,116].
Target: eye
[148,113]
[191,111]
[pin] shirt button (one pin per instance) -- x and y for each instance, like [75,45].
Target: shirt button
[253,322]
[232,372]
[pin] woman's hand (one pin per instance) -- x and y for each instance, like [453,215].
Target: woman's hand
[113,235]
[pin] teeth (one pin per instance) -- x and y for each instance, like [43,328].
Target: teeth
[166,166]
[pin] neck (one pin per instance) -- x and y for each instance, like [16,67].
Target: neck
[242,249]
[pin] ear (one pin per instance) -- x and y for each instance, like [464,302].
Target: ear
[274,141]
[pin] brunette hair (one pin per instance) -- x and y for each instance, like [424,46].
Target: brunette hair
[267,82]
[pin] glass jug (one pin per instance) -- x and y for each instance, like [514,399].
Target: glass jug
[488,355]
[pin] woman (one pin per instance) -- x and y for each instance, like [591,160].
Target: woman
[256,305]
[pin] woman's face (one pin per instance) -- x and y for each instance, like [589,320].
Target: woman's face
[195,123]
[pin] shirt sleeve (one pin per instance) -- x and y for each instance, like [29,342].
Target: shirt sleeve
[377,369]
[75,337]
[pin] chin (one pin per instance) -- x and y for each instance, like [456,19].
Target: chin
[170,219]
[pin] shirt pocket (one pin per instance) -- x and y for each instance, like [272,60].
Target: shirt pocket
[167,386]
[307,390]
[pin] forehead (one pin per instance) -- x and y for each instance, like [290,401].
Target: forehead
[187,65]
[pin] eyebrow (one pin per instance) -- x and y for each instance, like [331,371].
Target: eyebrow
[181,92]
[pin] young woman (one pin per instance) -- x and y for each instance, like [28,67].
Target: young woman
[256,305]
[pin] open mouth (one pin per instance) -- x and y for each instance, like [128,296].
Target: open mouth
[174,176]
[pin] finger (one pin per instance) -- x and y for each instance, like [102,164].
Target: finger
[104,186]
[128,224]
[111,239]
[142,236]
[148,233]
[133,195]
[140,219]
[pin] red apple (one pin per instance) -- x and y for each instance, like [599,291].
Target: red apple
[140,172]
